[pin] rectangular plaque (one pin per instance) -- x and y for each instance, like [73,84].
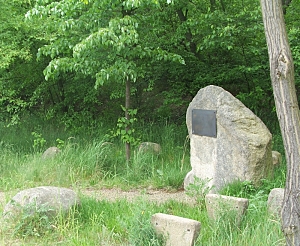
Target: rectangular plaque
[204,122]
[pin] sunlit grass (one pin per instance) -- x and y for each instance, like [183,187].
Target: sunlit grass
[92,161]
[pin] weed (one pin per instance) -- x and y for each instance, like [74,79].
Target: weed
[38,142]
[199,189]
[125,128]
[60,143]
[141,231]
[31,220]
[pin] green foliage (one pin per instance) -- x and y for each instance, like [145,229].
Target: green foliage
[13,33]
[141,231]
[247,189]
[199,189]
[38,142]
[81,45]
[90,157]
[240,189]
[114,48]
[293,27]
[60,143]
[87,163]
[18,68]
[125,128]
[254,99]
[32,220]
[11,106]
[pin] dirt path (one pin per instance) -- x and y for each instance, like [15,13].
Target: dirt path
[113,194]
[152,195]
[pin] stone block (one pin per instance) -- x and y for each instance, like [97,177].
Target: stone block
[176,230]
[275,200]
[226,207]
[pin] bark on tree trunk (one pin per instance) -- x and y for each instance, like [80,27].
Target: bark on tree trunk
[282,76]
[188,35]
[127,116]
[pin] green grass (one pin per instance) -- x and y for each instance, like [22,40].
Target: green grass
[125,223]
[90,160]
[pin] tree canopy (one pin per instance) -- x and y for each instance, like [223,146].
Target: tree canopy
[72,58]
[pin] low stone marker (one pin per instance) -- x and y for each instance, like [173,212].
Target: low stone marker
[149,147]
[275,200]
[228,141]
[176,230]
[226,207]
[276,156]
[52,200]
[50,152]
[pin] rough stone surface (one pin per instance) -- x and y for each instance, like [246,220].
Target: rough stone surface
[242,149]
[52,200]
[176,230]
[275,201]
[226,207]
[276,156]
[150,147]
[50,152]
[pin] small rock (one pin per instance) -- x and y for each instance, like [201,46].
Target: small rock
[275,200]
[150,147]
[276,156]
[51,152]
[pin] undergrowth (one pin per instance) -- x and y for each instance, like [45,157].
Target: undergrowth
[92,161]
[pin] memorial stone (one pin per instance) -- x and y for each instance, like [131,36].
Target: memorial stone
[228,142]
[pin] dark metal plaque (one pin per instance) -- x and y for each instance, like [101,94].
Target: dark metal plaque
[204,122]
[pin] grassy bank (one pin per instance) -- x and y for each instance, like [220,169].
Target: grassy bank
[95,160]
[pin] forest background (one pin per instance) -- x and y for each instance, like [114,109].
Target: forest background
[80,64]
[83,75]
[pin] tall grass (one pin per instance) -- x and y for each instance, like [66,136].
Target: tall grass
[90,160]
[125,223]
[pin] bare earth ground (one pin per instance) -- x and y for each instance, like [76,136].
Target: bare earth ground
[113,194]
[151,195]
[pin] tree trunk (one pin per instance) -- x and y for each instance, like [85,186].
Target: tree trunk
[282,76]
[188,35]
[127,116]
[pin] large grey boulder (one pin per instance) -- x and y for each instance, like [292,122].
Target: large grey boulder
[48,199]
[240,150]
